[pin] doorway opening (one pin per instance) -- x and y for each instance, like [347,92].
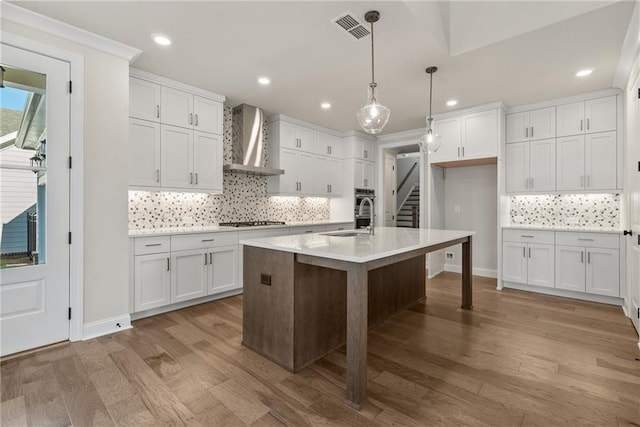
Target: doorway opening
[402,192]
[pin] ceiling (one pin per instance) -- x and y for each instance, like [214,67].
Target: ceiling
[517,52]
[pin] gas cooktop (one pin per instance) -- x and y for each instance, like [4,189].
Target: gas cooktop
[250,223]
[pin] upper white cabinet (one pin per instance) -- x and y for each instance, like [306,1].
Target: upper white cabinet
[467,137]
[363,174]
[531,125]
[144,99]
[310,158]
[180,108]
[531,166]
[175,135]
[587,162]
[591,116]
[360,148]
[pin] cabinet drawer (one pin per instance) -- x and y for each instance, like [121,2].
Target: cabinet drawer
[528,236]
[203,240]
[598,240]
[151,245]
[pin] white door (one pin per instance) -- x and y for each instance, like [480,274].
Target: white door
[448,130]
[207,115]
[207,156]
[542,123]
[152,282]
[390,179]
[34,203]
[305,173]
[176,107]
[321,176]
[570,119]
[144,153]
[603,272]
[223,267]
[600,114]
[514,262]
[176,157]
[600,161]
[632,189]
[518,127]
[479,135]
[144,100]
[188,274]
[570,268]
[542,165]
[517,167]
[289,163]
[570,163]
[541,265]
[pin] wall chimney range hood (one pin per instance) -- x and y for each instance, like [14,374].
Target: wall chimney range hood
[247,143]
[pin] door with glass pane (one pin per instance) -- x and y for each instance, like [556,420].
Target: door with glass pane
[34,200]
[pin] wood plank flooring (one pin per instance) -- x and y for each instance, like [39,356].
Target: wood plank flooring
[516,359]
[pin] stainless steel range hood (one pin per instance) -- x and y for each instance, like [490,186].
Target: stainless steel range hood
[247,143]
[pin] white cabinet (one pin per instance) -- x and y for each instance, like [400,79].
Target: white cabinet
[188,275]
[531,125]
[360,148]
[190,160]
[588,262]
[222,273]
[528,257]
[587,162]
[328,176]
[298,177]
[144,99]
[467,137]
[144,153]
[531,166]
[289,135]
[152,273]
[591,116]
[363,174]
[180,108]
[326,144]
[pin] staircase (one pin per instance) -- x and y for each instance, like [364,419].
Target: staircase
[405,216]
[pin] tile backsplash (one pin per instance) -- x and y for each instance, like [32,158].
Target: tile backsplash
[582,210]
[245,198]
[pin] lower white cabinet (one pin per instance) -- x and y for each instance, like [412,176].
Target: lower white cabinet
[188,275]
[528,263]
[222,270]
[152,283]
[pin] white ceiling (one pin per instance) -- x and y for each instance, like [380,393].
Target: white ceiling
[517,52]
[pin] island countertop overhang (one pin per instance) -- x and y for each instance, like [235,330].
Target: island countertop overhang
[387,241]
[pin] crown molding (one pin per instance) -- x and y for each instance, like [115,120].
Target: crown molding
[26,17]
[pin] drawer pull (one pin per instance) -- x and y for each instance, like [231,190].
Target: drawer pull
[526,235]
[153,244]
[207,240]
[309,231]
[586,240]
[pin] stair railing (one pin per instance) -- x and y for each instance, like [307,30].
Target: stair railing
[406,198]
[406,177]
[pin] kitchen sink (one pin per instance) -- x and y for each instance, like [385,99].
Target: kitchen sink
[345,233]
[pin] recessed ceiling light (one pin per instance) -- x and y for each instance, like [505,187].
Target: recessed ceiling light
[161,39]
[584,73]
[325,105]
[452,103]
[264,80]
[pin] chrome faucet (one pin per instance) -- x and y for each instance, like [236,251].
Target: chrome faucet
[371,227]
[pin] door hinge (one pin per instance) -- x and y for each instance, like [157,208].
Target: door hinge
[70,162]
[639,93]
[69,237]
[69,313]
[638,166]
[70,86]
[638,312]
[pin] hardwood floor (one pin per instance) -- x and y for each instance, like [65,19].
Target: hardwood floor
[516,359]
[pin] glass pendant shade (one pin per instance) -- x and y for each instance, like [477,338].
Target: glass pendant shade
[373,117]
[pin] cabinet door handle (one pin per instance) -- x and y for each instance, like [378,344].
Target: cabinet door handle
[210,257]
[581,181]
[582,257]
[524,252]
[207,240]
[587,124]
[328,188]
[157,111]
[366,154]
[458,151]
[168,264]
[586,240]
[190,118]
[366,182]
[205,259]
[531,131]
[588,257]
[308,231]
[196,178]
[330,150]
[531,185]
[526,132]
[581,123]
[191,178]
[462,151]
[157,175]
[529,252]
[588,181]
[196,120]
[526,235]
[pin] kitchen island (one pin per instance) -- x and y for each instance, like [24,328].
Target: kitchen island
[306,295]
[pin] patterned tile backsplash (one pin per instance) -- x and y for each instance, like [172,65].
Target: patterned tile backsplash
[585,210]
[245,198]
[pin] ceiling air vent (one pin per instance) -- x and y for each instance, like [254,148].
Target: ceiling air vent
[349,23]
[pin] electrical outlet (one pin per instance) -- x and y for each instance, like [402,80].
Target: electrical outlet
[187,220]
[573,220]
[456,208]
[448,255]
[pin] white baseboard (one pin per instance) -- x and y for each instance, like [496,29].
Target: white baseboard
[431,275]
[106,327]
[484,272]
[184,304]
[567,294]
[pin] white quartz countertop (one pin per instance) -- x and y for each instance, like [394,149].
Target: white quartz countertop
[363,247]
[563,228]
[215,229]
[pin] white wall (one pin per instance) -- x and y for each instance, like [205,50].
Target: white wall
[106,106]
[473,190]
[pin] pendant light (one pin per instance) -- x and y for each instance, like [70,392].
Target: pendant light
[373,117]
[430,142]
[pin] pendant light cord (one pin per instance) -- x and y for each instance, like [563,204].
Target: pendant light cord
[373,80]
[430,92]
